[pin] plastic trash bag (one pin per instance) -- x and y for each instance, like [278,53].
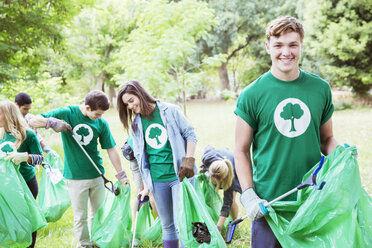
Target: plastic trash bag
[111,226]
[148,230]
[339,215]
[210,198]
[19,213]
[191,209]
[53,198]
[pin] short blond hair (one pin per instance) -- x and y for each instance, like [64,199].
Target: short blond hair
[284,25]
[222,172]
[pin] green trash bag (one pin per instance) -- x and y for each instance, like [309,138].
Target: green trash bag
[339,215]
[210,198]
[19,213]
[53,198]
[111,226]
[191,209]
[148,230]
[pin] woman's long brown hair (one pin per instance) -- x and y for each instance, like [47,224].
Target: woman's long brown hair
[146,102]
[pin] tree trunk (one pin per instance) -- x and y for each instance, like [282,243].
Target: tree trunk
[224,77]
[100,81]
[112,95]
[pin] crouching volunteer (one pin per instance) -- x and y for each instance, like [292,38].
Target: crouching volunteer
[221,169]
[164,146]
[19,144]
[83,180]
[285,115]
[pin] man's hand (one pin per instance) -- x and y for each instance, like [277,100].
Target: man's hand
[122,177]
[57,125]
[251,202]
[17,157]
[187,168]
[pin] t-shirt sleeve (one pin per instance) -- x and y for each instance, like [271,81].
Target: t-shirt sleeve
[245,108]
[105,138]
[33,143]
[60,113]
[329,106]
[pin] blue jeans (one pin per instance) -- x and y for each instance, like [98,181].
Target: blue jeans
[262,235]
[166,195]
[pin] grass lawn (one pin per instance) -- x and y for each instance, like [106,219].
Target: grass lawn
[214,123]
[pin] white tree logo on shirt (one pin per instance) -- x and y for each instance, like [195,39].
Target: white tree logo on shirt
[83,133]
[292,117]
[156,136]
[6,147]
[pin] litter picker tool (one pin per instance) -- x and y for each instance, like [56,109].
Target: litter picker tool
[138,208]
[111,188]
[310,181]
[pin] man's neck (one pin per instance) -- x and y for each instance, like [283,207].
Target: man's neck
[83,110]
[290,76]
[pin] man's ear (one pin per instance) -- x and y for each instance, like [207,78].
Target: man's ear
[87,108]
[267,45]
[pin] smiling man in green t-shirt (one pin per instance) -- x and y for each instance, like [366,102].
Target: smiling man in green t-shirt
[83,180]
[285,115]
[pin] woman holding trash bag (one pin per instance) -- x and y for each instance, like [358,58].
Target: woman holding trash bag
[19,144]
[221,169]
[164,146]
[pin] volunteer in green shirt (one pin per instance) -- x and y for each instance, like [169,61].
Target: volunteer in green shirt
[83,180]
[285,115]
[20,145]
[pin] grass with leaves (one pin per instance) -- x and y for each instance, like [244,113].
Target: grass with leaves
[214,123]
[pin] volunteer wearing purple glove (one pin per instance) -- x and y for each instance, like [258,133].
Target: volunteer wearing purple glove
[164,146]
[83,180]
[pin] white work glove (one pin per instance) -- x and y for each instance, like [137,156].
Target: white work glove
[17,157]
[251,202]
[122,177]
[57,125]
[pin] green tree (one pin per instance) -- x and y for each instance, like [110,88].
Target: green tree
[24,27]
[155,132]
[292,112]
[235,19]
[159,52]
[340,35]
[94,38]
[82,131]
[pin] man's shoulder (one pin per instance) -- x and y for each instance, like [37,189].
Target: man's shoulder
[314,77]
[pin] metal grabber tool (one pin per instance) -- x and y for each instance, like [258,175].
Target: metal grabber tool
[111,188]
[310,181]
[146,198]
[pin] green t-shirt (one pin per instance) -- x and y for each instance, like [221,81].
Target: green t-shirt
[286,117]
[158,149]
[88,132]
[30,144]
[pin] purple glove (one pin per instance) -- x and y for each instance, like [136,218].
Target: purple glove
[57,125]
[122,177]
